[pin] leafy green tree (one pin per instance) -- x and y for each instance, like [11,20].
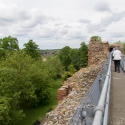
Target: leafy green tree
[83,55]
[31,48]
[54,67]
[9,43]
[74,56]
[64,56]
[10,113]
[22,64]
[40,80]
[2,54]
[31,78]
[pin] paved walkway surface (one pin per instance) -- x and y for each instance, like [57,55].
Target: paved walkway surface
[117,98]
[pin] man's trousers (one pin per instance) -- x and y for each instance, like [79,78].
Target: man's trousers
[117,65]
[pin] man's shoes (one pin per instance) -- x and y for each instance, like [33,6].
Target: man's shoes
[118,71]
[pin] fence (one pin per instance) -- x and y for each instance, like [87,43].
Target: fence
[123,63]
[84,112]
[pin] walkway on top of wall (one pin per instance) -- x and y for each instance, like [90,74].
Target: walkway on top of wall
[117,98]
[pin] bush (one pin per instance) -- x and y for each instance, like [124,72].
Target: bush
[66,75]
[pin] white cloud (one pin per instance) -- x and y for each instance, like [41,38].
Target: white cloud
[36,17]
[55,24]
[112,17]
[102,6]
[84,21]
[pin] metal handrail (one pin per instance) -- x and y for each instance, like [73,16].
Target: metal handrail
[99,110]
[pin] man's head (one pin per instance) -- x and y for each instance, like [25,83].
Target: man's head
[116,48]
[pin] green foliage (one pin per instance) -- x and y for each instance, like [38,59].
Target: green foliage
[31,78]
[121,44]
[2,54]
[65,76]
[9,43]
[24,82]
[23,66]
[38,113]
[74,56]
[41,80]
[124,47]
[69,73]
[83,55]
[72,70]
[10,112]
[64,56]
[31,48]
[96,38]
[53,67]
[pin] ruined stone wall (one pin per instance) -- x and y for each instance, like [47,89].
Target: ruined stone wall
[97,50]
[106,48]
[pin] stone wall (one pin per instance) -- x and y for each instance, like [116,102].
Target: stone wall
[106,48]
[97,50]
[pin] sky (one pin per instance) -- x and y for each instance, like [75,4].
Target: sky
[54,24]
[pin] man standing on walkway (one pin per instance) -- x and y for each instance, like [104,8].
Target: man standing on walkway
[117,57]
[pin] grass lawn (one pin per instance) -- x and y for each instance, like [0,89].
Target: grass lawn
[36,114]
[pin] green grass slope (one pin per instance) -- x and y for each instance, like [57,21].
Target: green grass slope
[37,114]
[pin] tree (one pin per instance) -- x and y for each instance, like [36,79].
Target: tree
[40,80]
[53,67]
[64,56]
[83,55]
[22,64]
[31,78]
[31,48]
[10,113]
[74,56]
[9,43]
